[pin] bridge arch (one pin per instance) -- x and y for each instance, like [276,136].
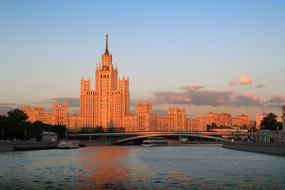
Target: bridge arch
[165,135]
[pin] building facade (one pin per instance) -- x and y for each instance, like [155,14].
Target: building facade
[109,103]
[58,115]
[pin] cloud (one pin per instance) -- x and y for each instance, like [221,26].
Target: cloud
[260,86]
[244,80]
[192,95]
[233,83]
[274,101]
[5,107]
[72,102]
[191,87]
[246,100]
[196,95]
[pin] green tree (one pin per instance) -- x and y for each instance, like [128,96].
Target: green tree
[270,122]
[60,130]
[3,126]
[36,129]
[17,114]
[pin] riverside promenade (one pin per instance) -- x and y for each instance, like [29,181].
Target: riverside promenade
[266,148]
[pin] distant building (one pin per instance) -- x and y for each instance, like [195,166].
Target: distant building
[177,119]
[35,114]
[196,124]
[145,119]
[223,119]
[58,116]
[242,121]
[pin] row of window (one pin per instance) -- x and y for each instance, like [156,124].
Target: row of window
[104,76]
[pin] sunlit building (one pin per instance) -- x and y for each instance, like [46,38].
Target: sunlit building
[109,103]
[223,119]
[145,119]
[35,114]
[196,124]
[177,119]
[58,115]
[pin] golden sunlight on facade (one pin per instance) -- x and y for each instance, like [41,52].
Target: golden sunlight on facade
[58,115]
[108,106]
[109,103]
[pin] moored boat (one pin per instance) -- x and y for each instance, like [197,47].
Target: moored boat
[154,141]
[66,144]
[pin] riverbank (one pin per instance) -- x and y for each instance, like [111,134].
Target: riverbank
[24,146]
[265,148]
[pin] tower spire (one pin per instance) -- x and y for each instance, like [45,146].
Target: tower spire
[107,50]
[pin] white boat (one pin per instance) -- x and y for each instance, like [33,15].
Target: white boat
[66,144]
[154,141]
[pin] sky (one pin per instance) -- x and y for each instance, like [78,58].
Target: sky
[204,55]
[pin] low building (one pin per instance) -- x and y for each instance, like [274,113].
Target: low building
[48,136]
[269,136]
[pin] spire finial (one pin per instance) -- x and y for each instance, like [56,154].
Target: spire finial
[107,51]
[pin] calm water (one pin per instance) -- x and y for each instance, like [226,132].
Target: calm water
[141,168]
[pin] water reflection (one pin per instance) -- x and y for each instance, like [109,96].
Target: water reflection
[104,167]
[115,167]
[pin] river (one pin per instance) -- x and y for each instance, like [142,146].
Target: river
[134,167]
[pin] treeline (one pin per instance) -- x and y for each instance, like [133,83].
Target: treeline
[15,126]
[270,122]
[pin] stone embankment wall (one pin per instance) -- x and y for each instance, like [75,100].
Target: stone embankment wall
[267,148]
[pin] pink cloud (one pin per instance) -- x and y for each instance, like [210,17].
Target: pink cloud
[244,80]
[247,100]
[197,95]
[191,87]
[275,101]
[193,95]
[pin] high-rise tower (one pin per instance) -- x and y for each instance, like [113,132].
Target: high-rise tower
[110,102]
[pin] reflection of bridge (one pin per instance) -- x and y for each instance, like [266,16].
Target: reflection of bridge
[122,138]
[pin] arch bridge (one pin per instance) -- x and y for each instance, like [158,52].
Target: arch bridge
[128,137]
[218,136]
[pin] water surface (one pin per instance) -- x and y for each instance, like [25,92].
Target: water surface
[133,167]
